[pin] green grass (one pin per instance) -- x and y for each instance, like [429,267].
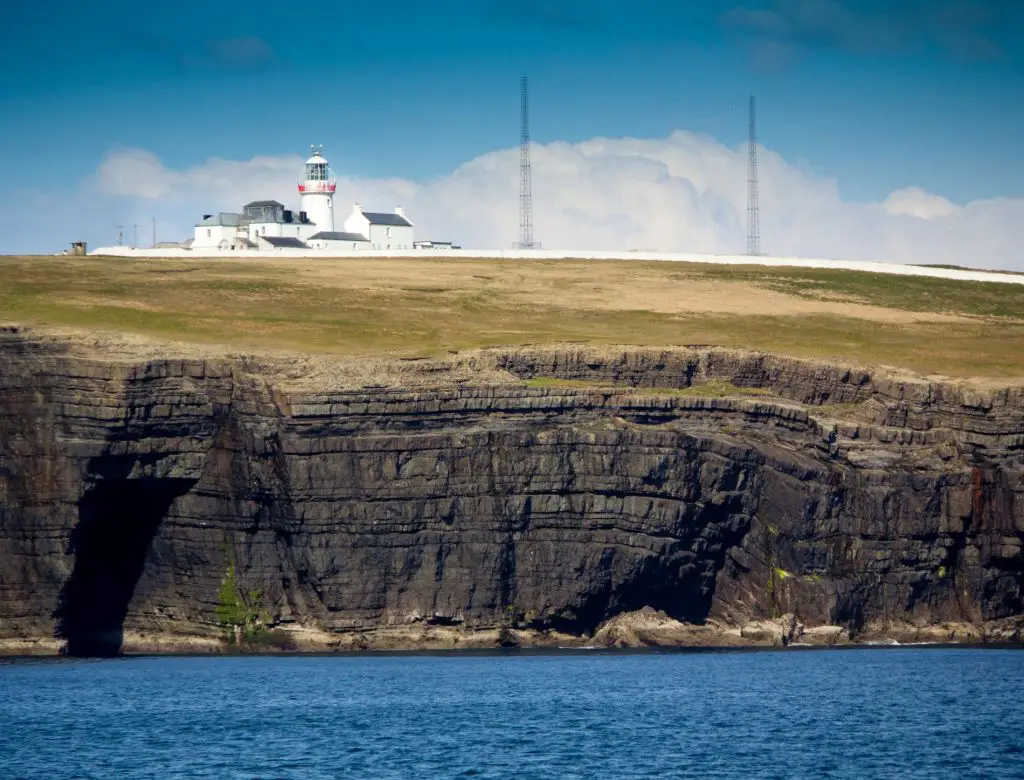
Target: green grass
[716,388]
[570,384]
[253,304]
[844,411]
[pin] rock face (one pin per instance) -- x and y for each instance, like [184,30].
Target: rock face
[460,499]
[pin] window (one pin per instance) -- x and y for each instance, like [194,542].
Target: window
[208,232]
[387,232]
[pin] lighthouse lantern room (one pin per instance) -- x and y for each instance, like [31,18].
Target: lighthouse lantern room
[317,191]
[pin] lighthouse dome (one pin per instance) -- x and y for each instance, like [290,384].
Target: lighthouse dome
[318,155]
[316,169]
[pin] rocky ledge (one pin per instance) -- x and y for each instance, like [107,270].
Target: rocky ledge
[162,498]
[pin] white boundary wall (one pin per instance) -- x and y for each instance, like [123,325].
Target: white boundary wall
[549,254]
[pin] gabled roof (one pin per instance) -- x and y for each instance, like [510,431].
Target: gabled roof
[284,242]
[376,218]
[329,235]
[224,219]
[258,203]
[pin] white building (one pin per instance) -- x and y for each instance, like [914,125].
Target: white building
[220,231]
[270,218]
[310,228]
[382,230]
[435,245]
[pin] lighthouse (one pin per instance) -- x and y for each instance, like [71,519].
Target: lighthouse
[316,191]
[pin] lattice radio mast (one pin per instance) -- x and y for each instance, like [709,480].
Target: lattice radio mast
[525,177]
[753,206]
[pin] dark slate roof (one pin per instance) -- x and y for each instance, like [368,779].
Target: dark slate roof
[279,217]
[328,235]
[263,203]
[377,218]
[275,221]
[284,242]
[223,219]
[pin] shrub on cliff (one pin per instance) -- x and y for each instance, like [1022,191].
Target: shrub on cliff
[239,613]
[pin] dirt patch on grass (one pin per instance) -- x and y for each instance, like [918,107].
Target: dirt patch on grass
[598,286]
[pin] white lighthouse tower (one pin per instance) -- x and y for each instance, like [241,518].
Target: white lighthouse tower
[317,191]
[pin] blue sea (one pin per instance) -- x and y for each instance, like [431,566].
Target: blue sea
[862,713]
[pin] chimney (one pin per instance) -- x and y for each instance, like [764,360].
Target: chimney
[359,208]
[400,211]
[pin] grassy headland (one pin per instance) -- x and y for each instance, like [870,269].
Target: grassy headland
[423,307]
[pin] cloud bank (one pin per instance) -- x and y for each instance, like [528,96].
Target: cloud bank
[684,193]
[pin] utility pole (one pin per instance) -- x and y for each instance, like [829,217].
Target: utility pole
[154,232]
[525,174]
[120,234]
[753,206]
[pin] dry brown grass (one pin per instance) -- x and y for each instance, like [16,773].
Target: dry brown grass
[424,307]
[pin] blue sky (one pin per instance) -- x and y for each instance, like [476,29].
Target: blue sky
[878,96]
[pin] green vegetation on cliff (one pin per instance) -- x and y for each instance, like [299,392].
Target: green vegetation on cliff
[715,388]
[239,613]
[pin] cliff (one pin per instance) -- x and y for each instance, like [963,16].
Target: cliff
[557,495]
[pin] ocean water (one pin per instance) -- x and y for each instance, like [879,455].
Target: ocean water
[877,713]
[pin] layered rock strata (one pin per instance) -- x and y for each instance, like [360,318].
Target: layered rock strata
[500,497]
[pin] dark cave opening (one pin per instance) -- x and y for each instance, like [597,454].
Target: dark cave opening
[674,584]
[117,520]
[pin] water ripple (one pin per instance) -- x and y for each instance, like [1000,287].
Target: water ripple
[908,713]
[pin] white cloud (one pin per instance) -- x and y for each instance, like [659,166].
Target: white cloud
[140,173]
[917,203]
[686,193]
